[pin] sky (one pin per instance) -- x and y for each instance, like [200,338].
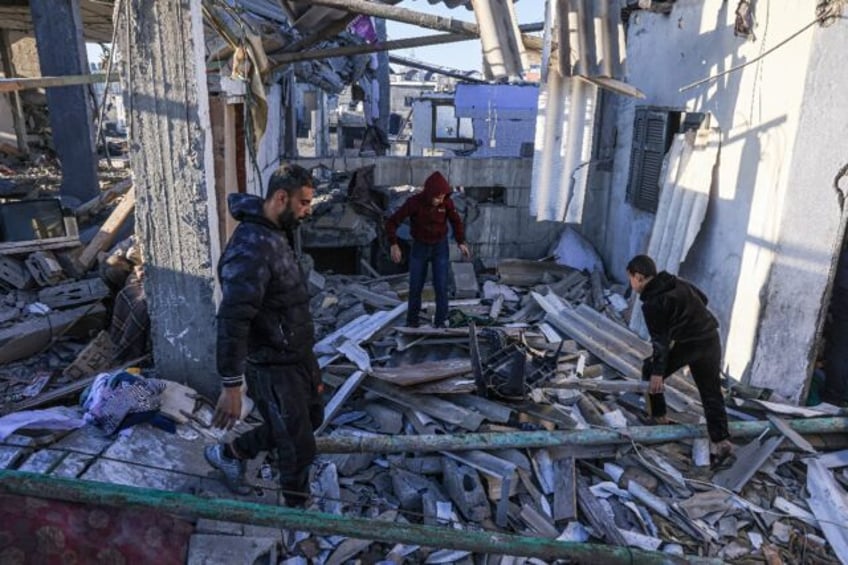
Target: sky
[465,56]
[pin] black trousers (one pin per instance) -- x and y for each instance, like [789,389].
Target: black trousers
[704,360]
[290,406]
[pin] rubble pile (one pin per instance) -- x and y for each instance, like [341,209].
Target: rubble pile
[57,285]
[524,416]
[544,348]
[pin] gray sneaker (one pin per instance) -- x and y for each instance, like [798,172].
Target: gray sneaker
[231,469]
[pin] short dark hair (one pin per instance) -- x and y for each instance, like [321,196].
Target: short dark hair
[642,265]
[289,178]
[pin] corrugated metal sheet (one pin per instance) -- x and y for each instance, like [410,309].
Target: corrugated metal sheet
[564,125]
[589,43]
[504,54]
[683,203]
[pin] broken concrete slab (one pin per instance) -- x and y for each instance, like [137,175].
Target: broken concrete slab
[464,280]
[212,549]
[74,293]
[465,489]
[30,336]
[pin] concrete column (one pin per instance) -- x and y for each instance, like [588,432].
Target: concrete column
[61,51]
[383,76]
[173,171]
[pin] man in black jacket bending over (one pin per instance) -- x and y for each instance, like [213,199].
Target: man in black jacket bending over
[683,332]
[265,338]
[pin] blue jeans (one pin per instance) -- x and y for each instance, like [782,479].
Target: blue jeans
[420,256]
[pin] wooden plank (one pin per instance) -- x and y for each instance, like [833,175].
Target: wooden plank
[565,491]
[109,230]
[17,84]
[409,375]
[24,247]
[103,199]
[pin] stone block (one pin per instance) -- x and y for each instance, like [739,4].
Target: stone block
[45,268]
[13,273]
[464,280]
[210,549]
[95,358]
[465,489]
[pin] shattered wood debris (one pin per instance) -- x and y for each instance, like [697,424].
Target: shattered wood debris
[544,349]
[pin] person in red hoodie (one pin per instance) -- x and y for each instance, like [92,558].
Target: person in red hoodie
[429,212]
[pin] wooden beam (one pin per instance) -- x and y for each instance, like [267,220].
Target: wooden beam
[282,59]
[121,496]
[23,247]
[16,84]
[521,440]
[108,230]
[439,23]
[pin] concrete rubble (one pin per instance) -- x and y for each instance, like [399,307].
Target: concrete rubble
[58,282]
[541,347]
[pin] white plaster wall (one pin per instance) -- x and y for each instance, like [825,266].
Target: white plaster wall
[811,229]
[268,154]
[758,110]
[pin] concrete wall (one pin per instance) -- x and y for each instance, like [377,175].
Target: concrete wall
[172,164]
[493,230]
[765,250]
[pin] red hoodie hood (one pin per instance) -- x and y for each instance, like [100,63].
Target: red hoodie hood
[435,186]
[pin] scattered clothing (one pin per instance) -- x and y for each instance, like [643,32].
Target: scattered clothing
[130,328]
[114,397]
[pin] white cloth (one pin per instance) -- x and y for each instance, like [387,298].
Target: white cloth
[56,418]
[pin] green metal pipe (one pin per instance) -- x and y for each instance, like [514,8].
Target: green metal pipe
[505,440]
[120,496]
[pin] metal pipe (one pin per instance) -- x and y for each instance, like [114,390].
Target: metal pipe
[286,58]
[520,440]
[406,61]
[420,19]
[121,496]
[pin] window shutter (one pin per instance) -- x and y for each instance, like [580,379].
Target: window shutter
[651,137]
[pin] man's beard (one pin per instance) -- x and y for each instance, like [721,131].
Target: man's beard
[287,219]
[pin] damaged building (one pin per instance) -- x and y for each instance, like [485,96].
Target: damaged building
[703,133]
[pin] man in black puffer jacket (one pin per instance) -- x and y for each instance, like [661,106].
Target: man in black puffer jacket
[683,332]
[266,336]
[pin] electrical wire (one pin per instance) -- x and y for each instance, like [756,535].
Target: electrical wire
[752,61]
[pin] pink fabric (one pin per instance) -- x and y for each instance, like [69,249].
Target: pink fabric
[362,26]
[36,530]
